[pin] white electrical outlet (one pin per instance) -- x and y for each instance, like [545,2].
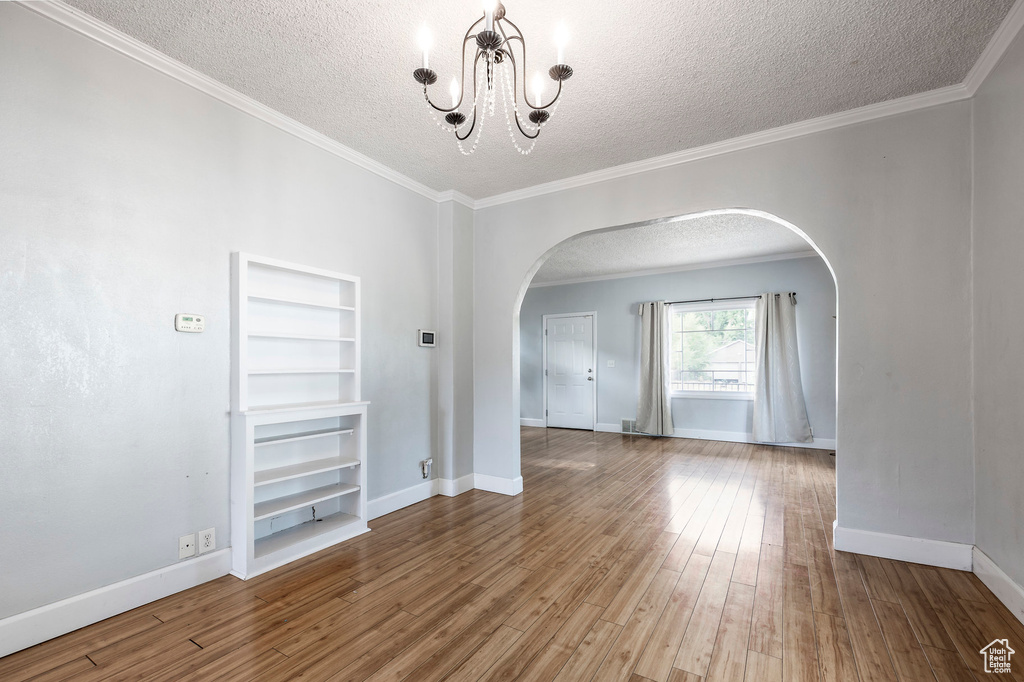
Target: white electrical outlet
[189,322]
[187,546]
[611,363]
[207,541]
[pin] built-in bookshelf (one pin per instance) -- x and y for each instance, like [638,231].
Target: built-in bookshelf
[298,474]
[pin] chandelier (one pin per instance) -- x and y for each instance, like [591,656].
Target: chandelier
[496,55]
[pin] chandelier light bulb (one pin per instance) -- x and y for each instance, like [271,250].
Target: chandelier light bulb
[426,41]
[453,89]
[561,40]
[538,89]
[489,7]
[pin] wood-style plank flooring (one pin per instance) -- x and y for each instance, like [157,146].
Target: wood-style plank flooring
[627,558]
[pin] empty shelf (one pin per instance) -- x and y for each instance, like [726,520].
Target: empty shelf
[281,505]
[291,407]
[319,466]
[307,304]
[304,531]
[305,435]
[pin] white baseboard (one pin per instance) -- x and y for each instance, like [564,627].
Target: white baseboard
[740,437]
[1007,591]
[46,622]
[729,437]
[525,421]
[451,488]
[915,550]
[442,486]
[494,484]
[402,498]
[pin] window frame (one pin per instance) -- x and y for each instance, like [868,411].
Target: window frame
[709,306]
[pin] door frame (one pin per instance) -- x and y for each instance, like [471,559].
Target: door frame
[544,358]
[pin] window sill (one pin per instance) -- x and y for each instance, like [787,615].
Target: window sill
[713,395]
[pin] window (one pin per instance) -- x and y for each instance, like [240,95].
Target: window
[711,348]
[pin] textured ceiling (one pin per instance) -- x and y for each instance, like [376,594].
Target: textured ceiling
[651,77]
[672,244]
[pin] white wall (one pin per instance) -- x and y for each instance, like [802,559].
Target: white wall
[455,340]
[122,194]
[998,324]
[618,336]
[888,204]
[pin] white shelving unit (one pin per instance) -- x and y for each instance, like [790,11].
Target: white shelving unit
[298,426]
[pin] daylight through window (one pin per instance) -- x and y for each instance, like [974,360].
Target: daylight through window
[711,349]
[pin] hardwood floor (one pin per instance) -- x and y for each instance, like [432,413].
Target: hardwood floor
[627,558]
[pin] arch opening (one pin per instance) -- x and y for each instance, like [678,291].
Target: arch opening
[517,329]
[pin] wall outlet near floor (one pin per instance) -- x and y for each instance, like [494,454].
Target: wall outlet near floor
[187,546]
[207,541]
[425,467]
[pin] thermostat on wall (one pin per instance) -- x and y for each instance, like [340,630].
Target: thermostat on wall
[428,338]
[187,322]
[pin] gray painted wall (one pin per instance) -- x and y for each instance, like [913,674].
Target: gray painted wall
[888,204]
[455,340]
[618,337]
[122,194]
[998,324]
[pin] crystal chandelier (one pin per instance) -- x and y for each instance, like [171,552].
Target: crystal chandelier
[497,55]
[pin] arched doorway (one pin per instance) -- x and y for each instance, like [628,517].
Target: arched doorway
[747,223]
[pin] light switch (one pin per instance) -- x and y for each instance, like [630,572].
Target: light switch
[189,322]
[611,363]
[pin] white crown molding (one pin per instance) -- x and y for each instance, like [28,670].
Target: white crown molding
[93,28]
[996,48]
[90,27]
[1001,40]
[680,268]
[456,196]
[871,112]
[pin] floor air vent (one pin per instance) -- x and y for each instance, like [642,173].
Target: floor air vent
[629,426]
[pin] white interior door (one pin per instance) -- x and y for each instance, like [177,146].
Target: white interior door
[569,371]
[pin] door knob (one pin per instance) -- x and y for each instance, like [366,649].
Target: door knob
[590,378]
[589,371]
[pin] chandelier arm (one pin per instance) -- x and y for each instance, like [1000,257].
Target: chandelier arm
[468,132]
[522,43]
[462,84]
[527,135]
[526,95]
[462,81]
[515,97]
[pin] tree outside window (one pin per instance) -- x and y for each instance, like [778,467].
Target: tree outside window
[711,350]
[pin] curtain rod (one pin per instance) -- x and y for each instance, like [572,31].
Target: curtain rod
[712,300]
[792,296]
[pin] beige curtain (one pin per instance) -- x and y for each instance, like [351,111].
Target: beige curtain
[654,411]
[780,414]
